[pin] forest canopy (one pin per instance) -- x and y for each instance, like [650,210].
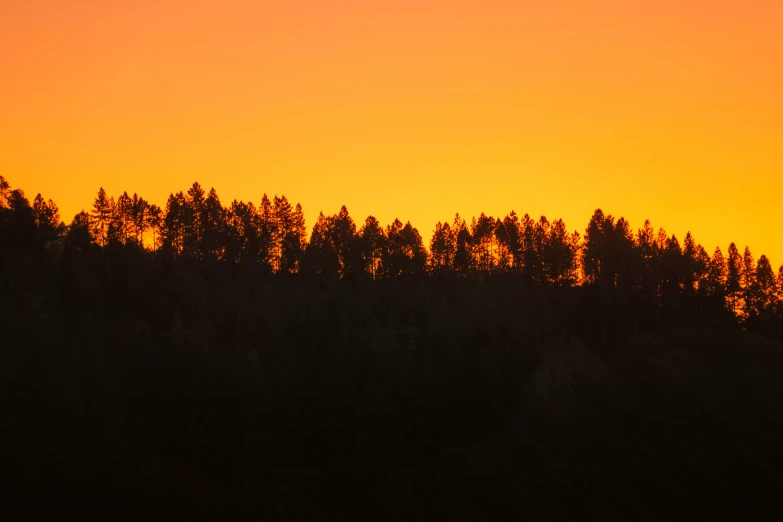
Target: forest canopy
[271,237]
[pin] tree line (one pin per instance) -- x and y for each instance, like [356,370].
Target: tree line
[196,226]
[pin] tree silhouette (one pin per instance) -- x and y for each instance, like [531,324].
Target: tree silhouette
[624,257]
[560,255]
[691,269]
[139,218]
[102,216]
[529,233]
[443,246]
[193,222]
[463,260]
[763,291]
[153,220]
[173,225]
[647,268]
[123,219]
[717,275]
[594,249]
[405,254]
[748,282]
[294,240]
[342,231]
[47,218]
[483,235]
[267,231]
[508,236]
[5,191]
[321,258]
[213,227]
[19,227]
[372,244]
[78,235]
[733,278]
[780,284]
[672,264]
[284,224]
[243,242]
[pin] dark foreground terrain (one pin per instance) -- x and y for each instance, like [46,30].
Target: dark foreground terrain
[469,399]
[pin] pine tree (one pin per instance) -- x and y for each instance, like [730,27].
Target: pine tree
[442,247]
[690,267]
[701,264]
[19,228]
[213,226]
[405,253]
[294,241]
[299,224]
[243,243]
[462,256]
[671,270]
[284,226]
[320,256]
[646,272]
[414,250]
[138,217]
[527,261]
[763,294]
[622,254]
[47,218]
[482,232]
[78,235]
[594,249]
[748,270]
[717,274]
[122,218]
[153,220]
[372,243]
[102,215]
[511,240]
[780,289]
[267,231]
[192,221]
[748,282]
[5,191]
[342,233]
[173,227]
[733,277]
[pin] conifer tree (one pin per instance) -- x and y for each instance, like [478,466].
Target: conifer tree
[462,254]
[78,235]
[733,278]
[763,293]
[102,215]
[748,282]
[47,218]
[717,274]
[372,243]
[508,235]
[294,241]
[442,248]
[5,191]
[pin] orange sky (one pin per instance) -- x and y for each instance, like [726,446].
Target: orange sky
[671,110]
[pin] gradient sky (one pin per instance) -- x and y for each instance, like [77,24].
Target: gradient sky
[668,110]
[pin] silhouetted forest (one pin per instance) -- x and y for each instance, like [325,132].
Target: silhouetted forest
[215,361]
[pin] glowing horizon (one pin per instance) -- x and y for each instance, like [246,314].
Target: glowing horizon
[407,109]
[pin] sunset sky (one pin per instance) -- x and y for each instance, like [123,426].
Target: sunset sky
[668,109]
